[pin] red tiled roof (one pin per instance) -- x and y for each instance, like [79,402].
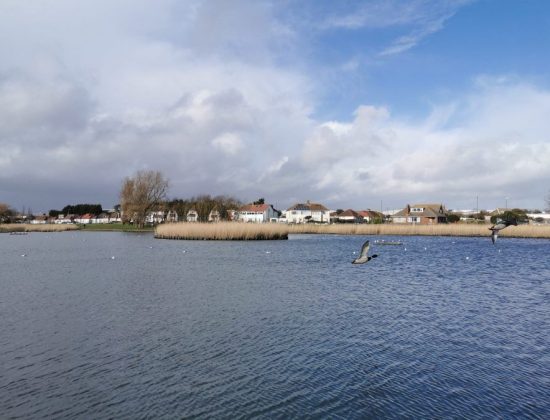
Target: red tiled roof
[255,208]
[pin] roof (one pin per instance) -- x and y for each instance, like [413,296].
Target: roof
[370,213]
[350,213]
[429,210]
[308,206]
[255,208]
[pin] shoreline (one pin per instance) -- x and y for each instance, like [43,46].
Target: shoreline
[253,231]
[270,231]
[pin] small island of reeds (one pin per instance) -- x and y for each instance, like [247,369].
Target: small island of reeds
[222,231]
[266,231]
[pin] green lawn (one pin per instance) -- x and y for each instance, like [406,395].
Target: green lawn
[118,227]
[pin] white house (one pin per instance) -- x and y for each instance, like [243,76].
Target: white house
[39,220]
[214,215]
[155,217]
[192,216]
[303,213]
[102,218]
[256,213]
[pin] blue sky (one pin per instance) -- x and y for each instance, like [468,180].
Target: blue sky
[348,103]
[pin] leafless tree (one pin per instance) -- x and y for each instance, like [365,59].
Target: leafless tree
[6,212]
[142,193]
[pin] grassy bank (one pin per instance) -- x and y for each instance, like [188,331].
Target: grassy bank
[19,227]
[222,231]
[251,231]
[115,227]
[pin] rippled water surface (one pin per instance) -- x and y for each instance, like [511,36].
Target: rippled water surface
[114,325]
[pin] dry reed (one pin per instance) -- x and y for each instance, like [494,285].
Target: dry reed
[459,229]
[222,231]
[254,231]
[19,227]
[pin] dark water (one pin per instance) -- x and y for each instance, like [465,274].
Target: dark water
[448,328]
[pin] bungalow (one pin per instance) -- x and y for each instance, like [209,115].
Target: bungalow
[40,220]
[303,213]
[257,213]
[65,219]
[370,216]
[422,214]
[102,218]
[192,216]
[85,219]
[349,216]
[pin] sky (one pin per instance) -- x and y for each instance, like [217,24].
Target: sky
[353,104]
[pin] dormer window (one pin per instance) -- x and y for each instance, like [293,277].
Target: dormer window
[417,210]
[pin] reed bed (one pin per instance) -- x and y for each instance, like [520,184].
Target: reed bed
[257,231]
[18,227]
[459,229]
[222,231]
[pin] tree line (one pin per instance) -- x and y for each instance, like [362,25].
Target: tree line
[146,191]
[77,209]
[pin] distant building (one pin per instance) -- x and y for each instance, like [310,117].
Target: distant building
[370,216]
[421,214]
[307,212]
[257,213]
[348,216]
[214,215]
[192,216]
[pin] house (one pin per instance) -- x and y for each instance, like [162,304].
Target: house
[155,217]
[102,218]
[84,219]
[114,216]
[371,216]
[65,219]
[214,215]
[192,216]
[308,212]
[349,216]
[422,214]
[171,216]
[257,213]
[231,215]
[39,220]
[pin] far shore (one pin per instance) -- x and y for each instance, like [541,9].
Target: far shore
[269,231]
[251,231]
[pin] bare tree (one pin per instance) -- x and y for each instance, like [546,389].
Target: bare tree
[142,193]
[6,212]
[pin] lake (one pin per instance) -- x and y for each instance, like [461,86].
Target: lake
[121,325]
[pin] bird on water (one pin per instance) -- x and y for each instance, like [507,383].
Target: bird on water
[501,224]
[363,257]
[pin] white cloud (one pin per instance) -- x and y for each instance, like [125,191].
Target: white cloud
[492,142]
[229,143]
[93,93]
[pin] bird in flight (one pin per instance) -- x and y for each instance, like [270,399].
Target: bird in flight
[501,224]
[363,257]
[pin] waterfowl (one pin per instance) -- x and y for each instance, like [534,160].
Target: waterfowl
[497,227]
[363,257]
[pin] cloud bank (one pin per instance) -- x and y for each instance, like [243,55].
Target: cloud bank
[97,91]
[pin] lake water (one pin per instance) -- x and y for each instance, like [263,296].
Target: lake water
[436,328]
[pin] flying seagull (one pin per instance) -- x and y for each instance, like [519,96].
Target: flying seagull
[501,224]
[363,258]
